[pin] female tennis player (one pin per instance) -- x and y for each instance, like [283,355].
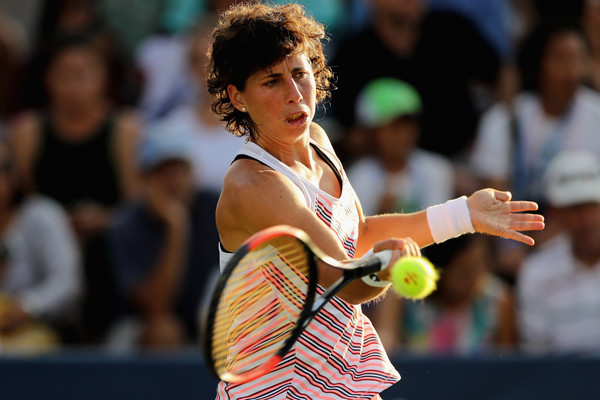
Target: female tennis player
[268,73]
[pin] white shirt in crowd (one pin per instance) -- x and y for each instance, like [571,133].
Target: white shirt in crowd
[559,301]
[427,180]
[213,147]
[168,81]
[493,155]
[43,270]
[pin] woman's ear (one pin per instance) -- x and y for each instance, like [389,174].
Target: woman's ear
[236,97]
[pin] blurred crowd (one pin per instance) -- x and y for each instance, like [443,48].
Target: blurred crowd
[111,165]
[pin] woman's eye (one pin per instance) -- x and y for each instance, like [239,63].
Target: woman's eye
[271,82]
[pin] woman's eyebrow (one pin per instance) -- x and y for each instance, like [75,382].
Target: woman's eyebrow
[279,74]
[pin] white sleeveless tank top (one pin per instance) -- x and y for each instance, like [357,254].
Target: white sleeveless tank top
[339,356]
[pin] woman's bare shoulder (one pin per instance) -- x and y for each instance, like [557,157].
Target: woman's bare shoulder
[247,179]
[253,197]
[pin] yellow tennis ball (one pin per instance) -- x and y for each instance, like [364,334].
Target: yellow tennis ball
[414,277]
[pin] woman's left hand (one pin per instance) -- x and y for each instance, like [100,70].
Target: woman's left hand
[494,213]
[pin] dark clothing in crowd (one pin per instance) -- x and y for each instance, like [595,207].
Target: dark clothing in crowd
[137,239]
[449,55]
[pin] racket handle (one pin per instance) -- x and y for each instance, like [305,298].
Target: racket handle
[372,263]
[381,258]
[384,257]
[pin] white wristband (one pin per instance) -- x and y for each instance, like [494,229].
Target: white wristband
[373,279]
[449,220]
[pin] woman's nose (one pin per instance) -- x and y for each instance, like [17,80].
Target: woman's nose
[293,93]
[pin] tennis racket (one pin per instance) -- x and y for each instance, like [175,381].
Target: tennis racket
[266,297]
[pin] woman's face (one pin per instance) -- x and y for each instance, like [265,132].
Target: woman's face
[563,66]
[76,76]
[280,100]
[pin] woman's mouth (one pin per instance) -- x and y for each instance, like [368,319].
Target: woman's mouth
[297,119]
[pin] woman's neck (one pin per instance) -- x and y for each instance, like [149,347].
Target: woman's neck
[289,153]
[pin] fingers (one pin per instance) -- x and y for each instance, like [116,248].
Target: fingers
[518,236]
[388,244]
[524,222]
[411,248]
[527,226]
[518,206]
[527,222]
[401,247]
[515,206]
[502,195]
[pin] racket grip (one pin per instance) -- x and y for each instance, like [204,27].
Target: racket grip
[380,261]
[384,257]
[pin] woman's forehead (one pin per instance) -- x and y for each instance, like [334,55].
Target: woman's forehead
[290,62]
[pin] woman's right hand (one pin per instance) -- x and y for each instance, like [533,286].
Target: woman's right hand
[404,247]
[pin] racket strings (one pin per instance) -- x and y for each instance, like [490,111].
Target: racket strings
[259,307]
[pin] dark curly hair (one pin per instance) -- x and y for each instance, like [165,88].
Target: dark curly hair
[250,37]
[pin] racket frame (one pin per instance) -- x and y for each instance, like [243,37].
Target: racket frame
[350,271]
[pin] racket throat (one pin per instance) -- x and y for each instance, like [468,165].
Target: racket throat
[331,291]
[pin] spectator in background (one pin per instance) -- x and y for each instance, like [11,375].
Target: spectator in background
[79,150]
[471,311]
[164,248]
[63,18]
[212,146]
[155,33]
[558,296]
[40,271]
[554,112]
[162,58]
[398,177]
[439,53]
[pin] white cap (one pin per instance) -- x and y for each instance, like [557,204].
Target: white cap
[573,178]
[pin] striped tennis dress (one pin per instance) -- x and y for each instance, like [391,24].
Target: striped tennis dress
[339,356]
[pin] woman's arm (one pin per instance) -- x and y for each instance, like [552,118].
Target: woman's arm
[255,197]
[490,211]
